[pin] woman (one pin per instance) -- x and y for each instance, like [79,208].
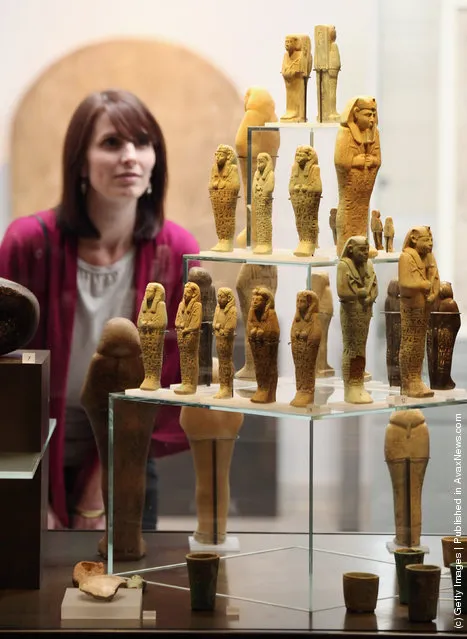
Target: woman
[88,260]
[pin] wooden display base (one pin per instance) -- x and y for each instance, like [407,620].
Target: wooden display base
[79,610]
[231,544]
[392,546]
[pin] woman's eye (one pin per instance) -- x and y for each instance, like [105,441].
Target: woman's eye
[112,142]
[143,140]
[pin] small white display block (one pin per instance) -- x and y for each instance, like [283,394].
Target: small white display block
[392,546]
[231,544]
[82,611]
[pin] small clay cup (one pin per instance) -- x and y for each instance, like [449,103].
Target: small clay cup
[202,574]
[360,591]
[451,546]
[403,557]
[459,587]
[423,591]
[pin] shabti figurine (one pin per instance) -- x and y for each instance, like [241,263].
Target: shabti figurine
[263,187]
[419,289]
[388,235]
[320,285]
[188,326]
[305,193]
[296,69]
[377,229]
[305,336]
[357,158]
[443,326]
[223,191]
[116,365]
[263,335]
[212,435]
[152,323]
[332,224]
[357,289]
[203,279]
[224,325]
[259,109]
[327,67]
[392,313]
[250,277]
[407,450]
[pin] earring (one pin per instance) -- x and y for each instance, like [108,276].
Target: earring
[84,186]
[149,189]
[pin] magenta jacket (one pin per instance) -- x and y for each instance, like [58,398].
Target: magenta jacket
[23,260]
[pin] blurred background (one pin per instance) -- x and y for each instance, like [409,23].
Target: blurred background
[192,63]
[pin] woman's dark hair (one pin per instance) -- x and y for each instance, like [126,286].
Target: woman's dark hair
[132,119]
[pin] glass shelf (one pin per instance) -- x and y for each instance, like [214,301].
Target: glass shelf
[329,399]
[322,257]
[24,465]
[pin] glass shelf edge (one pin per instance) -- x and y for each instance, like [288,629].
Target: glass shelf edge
[31,459]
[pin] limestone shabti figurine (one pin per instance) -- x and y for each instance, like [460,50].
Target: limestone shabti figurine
[377,230]
[259,109]
[188,326]
[407,450]
[327,67]
[263,335]
[263,187]
[305,335]
[320,285]
[357,289]
[224,325]
[250,277]
[332,224]
[392,314]
[296,69]
[305,193]
[212,435]
[357,158]
[152,323]
[224,186]
[203,279]
[443,326]
[115,366]
[388,231]
[419,290]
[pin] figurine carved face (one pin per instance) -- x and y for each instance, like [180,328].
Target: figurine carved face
[188,293]
[359,253]
[301,157]
[302,303]
[423,244]
[221,157]
[291,44]
[258,302]
[364,118]
[222,299]
[261,163]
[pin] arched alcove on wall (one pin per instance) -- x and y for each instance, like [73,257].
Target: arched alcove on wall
[197,106]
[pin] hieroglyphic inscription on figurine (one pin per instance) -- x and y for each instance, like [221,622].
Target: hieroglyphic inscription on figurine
[320,285]
[203,279]
[188,326]
[327,67]
[250,277]
[392,314]
[357,158]
[224,186]
[407,450]
[305,193]
[259,109]
[263,335]
[376,226]
[357,289]
[388,231]
[419,290]
[443,326]
[305,336]
[263,187]
[152,323]
[296,69]
[224,325]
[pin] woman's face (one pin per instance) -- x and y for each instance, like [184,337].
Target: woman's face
[117,168]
